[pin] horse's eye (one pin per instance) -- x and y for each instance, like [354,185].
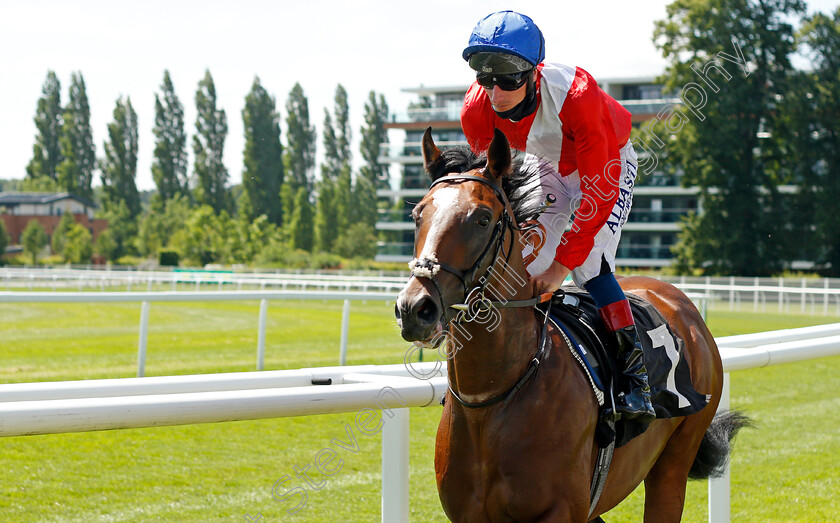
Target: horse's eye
[483,221]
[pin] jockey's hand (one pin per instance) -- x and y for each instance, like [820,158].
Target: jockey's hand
[551,279]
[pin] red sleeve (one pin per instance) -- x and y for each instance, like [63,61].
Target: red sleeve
[476,122]
[587,117]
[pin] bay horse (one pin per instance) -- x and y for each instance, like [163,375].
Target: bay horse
[516,440]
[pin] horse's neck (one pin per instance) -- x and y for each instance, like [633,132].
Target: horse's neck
[494,351]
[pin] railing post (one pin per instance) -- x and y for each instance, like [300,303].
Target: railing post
[825,298]
[731,292]
[144,337]
[261,335]
[719,502]
[345,332]
[781,295]
[395,467]
[802,301]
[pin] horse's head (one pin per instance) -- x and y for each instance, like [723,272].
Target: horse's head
[462,225]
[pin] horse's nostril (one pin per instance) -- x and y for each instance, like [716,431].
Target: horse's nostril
[397,311]
[427,311]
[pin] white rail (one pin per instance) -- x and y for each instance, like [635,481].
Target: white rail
[177,296]
[68,278]
[76,406]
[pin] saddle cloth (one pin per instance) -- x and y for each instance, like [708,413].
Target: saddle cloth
[672,393]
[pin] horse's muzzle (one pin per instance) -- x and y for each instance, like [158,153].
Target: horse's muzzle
[418,315]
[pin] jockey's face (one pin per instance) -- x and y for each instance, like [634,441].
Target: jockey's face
[505,100]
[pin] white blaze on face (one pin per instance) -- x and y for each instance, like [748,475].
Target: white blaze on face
[447,211]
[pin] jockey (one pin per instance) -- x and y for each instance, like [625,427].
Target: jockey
[559,116]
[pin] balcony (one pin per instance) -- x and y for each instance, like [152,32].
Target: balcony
[394,220]
[394,251]
[641,107]
[409,152]
[430,114]
[651,216]
[644,252]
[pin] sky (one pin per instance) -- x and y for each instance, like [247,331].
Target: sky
[122,49]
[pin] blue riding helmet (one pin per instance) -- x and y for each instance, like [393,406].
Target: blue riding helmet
[509,33]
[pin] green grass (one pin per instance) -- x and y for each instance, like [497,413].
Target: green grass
[784,470]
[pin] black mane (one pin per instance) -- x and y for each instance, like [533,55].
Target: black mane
[462,159]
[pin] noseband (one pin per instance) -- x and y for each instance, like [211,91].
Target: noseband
[429,267]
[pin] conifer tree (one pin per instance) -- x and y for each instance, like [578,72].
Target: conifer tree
[75,172]
[299,158]
[301,226]
[208,146]
[46,152]
[326,217]
[326,212]
[119,166]
[342,126]
[374,135]
[169,168]
[263,156]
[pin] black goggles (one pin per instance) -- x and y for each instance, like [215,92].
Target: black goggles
[506,82]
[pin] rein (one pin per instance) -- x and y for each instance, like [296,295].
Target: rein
[429,267]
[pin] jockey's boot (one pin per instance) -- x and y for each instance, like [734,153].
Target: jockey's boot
[633,402]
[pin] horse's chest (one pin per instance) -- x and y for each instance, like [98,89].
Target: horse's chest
[507,471]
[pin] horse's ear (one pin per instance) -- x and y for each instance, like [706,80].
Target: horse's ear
[498,155]
[430,151]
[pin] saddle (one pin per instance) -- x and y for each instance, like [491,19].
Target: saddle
[672,394]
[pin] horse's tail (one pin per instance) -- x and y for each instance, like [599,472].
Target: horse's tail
[713,454]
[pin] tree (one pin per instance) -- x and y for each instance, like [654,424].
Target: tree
[263,156]
[326,211]
[326,217]
[79,246]
[169,167]
[209,146]
[813,109]
[75,172]
[331,165]
[34,239]
[342,126]
[203,239]
[4,240]
[58,242]
[119,166]
[299,158]
[728,59]
[374,135]
[359,241]
[301,226]
[121,231]
[46,153]
[345,213]
[156,229]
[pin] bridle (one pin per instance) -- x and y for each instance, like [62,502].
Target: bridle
[475,302]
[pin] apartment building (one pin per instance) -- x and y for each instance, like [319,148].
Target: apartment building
[658,203]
